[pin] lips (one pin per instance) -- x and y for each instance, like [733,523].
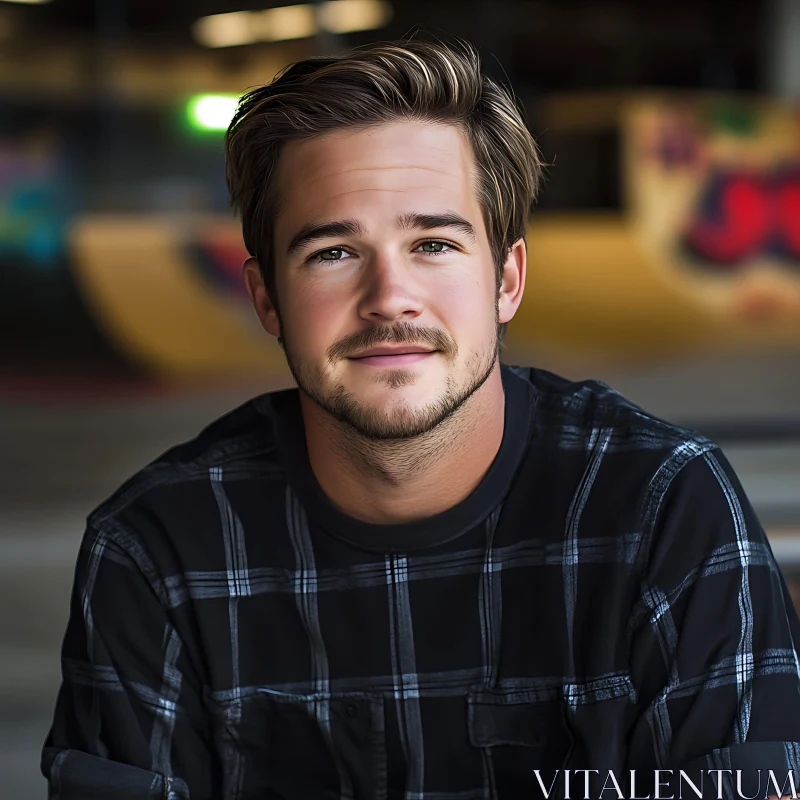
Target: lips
[391,351]
[392,357]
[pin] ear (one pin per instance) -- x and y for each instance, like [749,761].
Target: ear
[513,281]
[266,310]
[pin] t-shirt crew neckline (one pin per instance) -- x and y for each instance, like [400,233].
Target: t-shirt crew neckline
[436,530]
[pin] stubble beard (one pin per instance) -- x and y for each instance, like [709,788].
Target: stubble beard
[401,421]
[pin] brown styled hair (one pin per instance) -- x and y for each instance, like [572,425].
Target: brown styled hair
[409,79]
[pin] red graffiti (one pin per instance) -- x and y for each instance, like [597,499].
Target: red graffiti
[788,212]
[744,215]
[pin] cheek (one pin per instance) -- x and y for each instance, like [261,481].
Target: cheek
[315,318]
[467,307]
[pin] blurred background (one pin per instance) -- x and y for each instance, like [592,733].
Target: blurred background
[664,253]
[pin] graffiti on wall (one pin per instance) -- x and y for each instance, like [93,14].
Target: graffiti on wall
[715,193]
[34,201]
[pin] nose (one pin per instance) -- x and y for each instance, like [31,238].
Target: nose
[389,290]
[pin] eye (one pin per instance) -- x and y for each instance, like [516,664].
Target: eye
[331,254]
[435,247]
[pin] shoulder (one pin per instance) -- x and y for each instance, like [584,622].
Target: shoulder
[622,467]
[588,414]
[241,444]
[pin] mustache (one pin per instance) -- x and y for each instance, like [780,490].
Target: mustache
[399,333]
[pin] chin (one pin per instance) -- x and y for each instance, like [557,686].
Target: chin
[405,386]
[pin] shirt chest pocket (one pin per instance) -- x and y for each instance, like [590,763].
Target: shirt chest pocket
[517,735]
[294,747]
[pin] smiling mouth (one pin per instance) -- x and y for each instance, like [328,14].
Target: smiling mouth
[398,359]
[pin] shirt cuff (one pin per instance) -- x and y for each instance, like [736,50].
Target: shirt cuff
[74,775]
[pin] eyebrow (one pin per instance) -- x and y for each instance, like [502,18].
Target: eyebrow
[324,230]
[427,222]
[350,227]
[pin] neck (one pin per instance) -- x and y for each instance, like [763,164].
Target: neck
[404,480]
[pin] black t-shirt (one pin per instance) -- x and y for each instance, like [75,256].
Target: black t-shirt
[605,599]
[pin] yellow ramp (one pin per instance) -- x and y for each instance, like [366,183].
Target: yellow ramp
[593,288]
[155,305]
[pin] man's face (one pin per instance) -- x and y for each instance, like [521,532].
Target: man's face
[384,276]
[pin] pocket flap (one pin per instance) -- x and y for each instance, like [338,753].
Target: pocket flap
[496,719]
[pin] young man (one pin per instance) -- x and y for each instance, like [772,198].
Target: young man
[421,574]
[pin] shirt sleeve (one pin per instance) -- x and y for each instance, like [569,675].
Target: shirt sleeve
[129,720]
[713,649]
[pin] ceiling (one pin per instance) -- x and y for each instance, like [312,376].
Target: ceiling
[545,44]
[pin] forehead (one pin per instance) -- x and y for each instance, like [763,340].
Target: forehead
[366,170]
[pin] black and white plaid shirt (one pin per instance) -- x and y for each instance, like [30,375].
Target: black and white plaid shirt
[605,599]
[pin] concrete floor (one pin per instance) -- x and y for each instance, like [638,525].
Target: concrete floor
[60,458]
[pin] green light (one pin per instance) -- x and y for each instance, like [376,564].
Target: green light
[212,112]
